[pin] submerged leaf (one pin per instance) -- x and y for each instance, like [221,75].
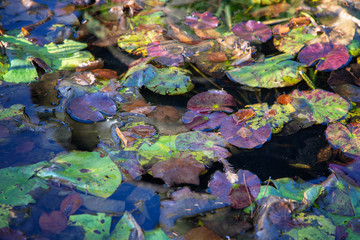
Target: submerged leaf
[274,72]
[91,107]
[54,222]
[96,226]
[202,20]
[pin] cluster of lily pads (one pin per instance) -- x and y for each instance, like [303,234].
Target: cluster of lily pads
[133,145]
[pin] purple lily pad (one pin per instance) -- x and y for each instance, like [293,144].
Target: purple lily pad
[252,31]
[202,20]
[350,173]
[212,100]
[241,135]
[203,121]
[168,54]
[235,194]
[91,107]
[329,56]
[202,141]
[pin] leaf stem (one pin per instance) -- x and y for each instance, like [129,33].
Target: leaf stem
[307,79]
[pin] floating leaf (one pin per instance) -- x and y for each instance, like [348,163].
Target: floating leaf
[319,106]
[201,233]
[127,228]
[170,81]
[17,182]
[57,56]
[329,56]
[203,121]
[4,215]
[91,107]
[252,31]
[350,173]
[274,72]
[177,170]
[294,41]
[202,20]
[344,137]
[96,227]
[8,233]
[238,194]
[284,99]
[54,222]
[212,100]
[242,135]
[14,110]
[209,143]
[86,171]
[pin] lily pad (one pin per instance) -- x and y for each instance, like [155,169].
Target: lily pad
[209,143]
[350,172]
[319,106]
[243,136]
[95,226]
[17,182]
[86,171]
[203,121]
[345,84]
[328,56]
[236,194]
[202,20]
[252,31]
[346,138]
[56,56]
[274,72]
[91,107]
[293,42]
[212,100]
[127,228]
[4,215]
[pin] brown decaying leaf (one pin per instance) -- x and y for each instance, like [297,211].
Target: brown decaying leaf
[54,222]
[165,114]
[239,197]
[90,65]
[284,99]
[217,57]
[244,132]
[299,22]
[281,29]
[244,114]
[206,34]
[121,136]
[143,131]
[84,78]
[201,233]
[105,73]
[272,10]
[178,170]
[128,107]
[71,204]
[11,234]
[181,36]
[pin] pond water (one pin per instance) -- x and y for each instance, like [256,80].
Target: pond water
[43,130]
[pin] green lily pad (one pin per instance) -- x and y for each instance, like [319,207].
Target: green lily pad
[288,188]
[16,109]
[346,138]
[163,150]
[17,182]
[319,106]
[319,228]
[127,228]
[95,226]
[156,234]
[170,81]
[86,171]
[56,56]
[274,72]
[4,215]
[293,42]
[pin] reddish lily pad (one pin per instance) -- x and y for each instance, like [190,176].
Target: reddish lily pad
[237,194]
[71,204]
[241,135]
[54,222]
[178,170]
[204,142]
[329,56]
[252,31]
[91,107]
[212,100]
[169,54]
[343,137]
[319,106]
[202,20]
[203,121]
